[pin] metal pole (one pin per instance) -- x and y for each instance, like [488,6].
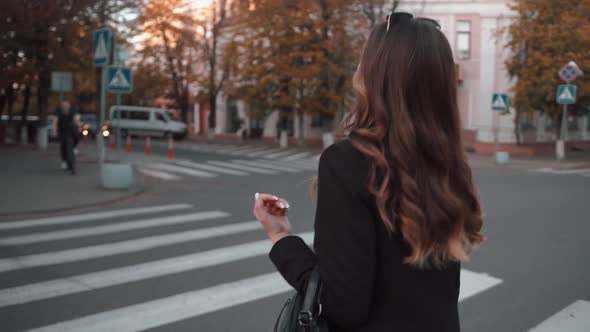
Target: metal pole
[119,127]
[564,123]
[496,133]
[100,139]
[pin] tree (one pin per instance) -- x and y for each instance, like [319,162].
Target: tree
[171,28]
[216,50]
[300,62]
[39,37]
[376,10]
[544,37]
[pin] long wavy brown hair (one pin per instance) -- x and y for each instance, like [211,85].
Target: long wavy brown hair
[406,122]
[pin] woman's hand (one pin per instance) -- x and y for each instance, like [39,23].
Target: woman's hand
[271,212]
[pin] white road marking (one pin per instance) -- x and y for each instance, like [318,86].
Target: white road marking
[241,167]
[208,147]
[297,156]
[227,148]
[564,171]
[217,169]
[182,170]
[246,150]
[122,247]
[178,307]
[109,229]
[159,312]
[265,165]
[305,166]
[573,318]
[280,154]
[158,174]
[59,220]
[473,283]
[117,276]
[263,152]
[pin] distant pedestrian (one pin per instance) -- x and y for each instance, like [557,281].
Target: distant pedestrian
[397,209]
[67,128]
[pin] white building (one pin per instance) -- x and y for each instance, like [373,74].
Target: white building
[473,30]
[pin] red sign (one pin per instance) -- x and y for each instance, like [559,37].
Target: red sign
[569,73]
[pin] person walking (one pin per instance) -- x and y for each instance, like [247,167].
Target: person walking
[397,210]
[66,126]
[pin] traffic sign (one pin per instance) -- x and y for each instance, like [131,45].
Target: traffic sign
[566,94]
[61,81]
[500,102]
[119,80]
[102,47]
[569,72]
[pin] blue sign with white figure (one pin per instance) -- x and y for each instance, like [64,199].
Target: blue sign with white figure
[566,94]
[102,46]
[119,80]
[500,102]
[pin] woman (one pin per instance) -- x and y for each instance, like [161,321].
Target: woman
[397,211]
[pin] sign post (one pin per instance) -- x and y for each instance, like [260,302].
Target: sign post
[566,95]
[500,103]
[61,81]
[122,54]
[101,56]
[120,80]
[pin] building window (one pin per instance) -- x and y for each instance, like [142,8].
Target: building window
[464,40]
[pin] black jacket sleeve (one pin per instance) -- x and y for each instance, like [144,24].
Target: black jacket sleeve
[345,243]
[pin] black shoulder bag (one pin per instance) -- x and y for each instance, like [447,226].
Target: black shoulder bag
[302,312]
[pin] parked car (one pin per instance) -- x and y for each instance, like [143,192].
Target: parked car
[145,121]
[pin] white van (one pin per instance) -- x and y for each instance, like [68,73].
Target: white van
[145,121]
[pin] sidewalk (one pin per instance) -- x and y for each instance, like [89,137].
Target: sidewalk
[32,181]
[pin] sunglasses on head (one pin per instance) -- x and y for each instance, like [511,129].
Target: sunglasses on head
[395,18]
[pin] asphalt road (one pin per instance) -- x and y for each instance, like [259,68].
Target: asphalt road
[188,256]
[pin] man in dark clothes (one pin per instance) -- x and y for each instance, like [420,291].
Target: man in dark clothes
[66,130]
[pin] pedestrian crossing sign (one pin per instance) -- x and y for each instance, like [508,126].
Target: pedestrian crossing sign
[500,102]
[566,94]
[119,80]
[102,46]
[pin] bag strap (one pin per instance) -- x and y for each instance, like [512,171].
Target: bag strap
[311,302]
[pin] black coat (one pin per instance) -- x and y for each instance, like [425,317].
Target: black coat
[366,285]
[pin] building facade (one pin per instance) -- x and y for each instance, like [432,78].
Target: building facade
[477,33]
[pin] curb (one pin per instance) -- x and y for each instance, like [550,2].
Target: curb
[145,187]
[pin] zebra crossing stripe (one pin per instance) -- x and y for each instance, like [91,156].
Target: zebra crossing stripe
[306,166]
[564,171]
[179,307]
[60,220]
[182,170]
[297,156]
[573,318]
[109,229]
[158,174]
[265,165]
[241,167]
[206,147]
[473,283]
[122,247]
[168,310]
[217,169]
[227,148]
[280,154]
[263,152]
[107,278]
[246,150]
